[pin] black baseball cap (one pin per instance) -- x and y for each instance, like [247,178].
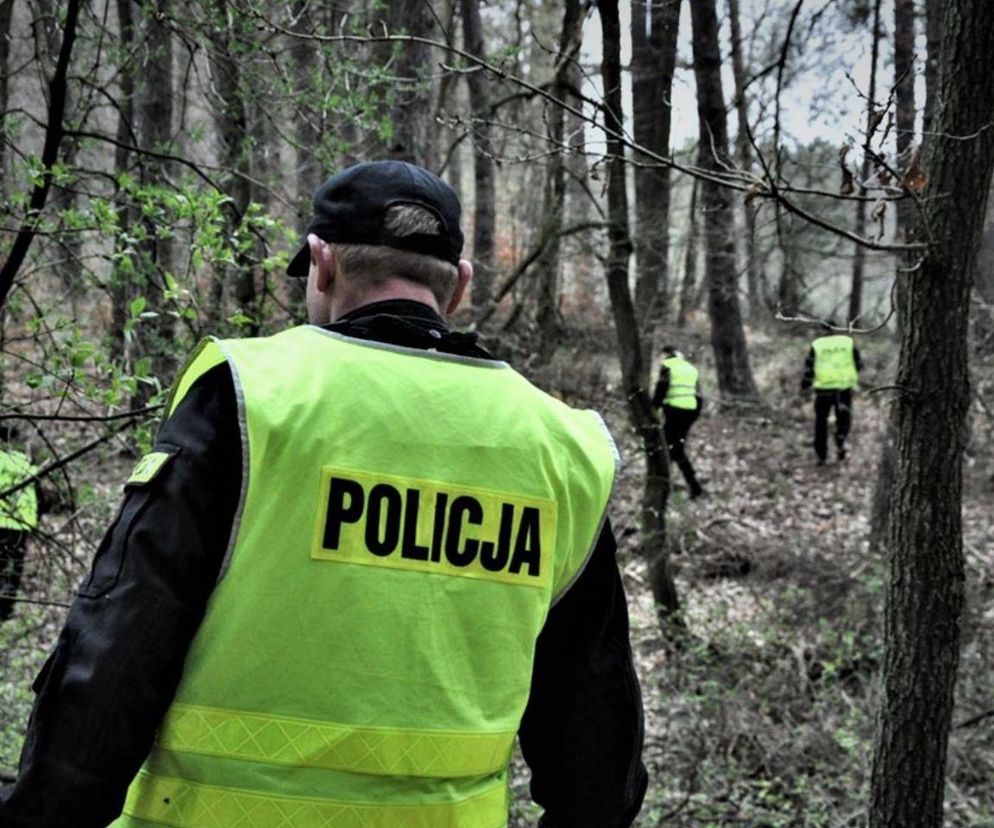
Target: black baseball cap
[351,205]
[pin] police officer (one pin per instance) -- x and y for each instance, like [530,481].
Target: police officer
[678,396]
[832,369]
[362,558]
[18,517]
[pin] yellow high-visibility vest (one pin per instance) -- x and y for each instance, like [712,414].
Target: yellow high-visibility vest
[407,520]
[835,363]
[682,390]
[18,510]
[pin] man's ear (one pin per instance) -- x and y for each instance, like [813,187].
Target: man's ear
[323,261]
[465,275]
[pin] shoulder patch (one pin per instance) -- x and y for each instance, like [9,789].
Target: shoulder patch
[149,467]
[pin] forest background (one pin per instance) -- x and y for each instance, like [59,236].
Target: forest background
[814,644]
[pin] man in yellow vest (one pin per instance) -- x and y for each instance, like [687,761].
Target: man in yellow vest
[363,558]
[18,517]
[678,396]
[832,369]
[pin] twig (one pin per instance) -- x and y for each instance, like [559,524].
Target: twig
[44,471]
[83,419]
[38,601]
[970,722]
[759,189]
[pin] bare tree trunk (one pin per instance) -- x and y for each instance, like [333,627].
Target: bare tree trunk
[6,15]
[904,94]
[308,125]
[653,64]
[554,198]
[983,323]
[743,152]
[859,254]
[727,335]
[231,117]
[688,288]
[485,214]
[54,132]
[414,133]
[925,584]
[790,287]
[643,419]
[154,119]
[66,264]
[121,278]
[933,36]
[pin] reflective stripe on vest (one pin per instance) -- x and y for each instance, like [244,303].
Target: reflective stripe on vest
[175,802]
[835,363]
[408,518]
[19,510]
[281,740]
[682,390]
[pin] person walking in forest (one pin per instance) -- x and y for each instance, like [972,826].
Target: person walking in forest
[18,517]
[363,556]
[832,369]
[678,396]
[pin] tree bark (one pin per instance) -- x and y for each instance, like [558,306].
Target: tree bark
[231,118]
[791,285]
[640,413]
[907,217]
[925,582]
[54,131]
[688,287]
[727,336]
[933,38]
[547,316]
[66,263]
[121,281]
[6,15]
[859,254]
[654,37]
[154,120]
[743,151]
[414,136]
[485,214]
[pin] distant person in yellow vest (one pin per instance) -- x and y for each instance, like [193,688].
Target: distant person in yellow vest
[363,558]
[18,517]
[832,370]
[678,395]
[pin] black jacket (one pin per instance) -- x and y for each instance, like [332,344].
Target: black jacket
[119,658]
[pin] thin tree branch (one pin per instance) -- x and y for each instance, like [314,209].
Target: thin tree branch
[54,132]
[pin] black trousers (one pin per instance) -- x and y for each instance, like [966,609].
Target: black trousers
[676,424]
[12,546]
[825,402]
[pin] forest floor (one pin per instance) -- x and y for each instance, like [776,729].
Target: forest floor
[764,715]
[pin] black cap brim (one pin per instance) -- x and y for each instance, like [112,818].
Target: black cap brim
[300,264]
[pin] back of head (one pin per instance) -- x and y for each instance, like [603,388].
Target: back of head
[374,264]
[388,219]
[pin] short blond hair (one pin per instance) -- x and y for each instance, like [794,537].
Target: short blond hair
[373,264]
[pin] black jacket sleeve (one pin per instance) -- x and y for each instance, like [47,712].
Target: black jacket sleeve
[662,386]
[582,731]
[119,658]
[809,370]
